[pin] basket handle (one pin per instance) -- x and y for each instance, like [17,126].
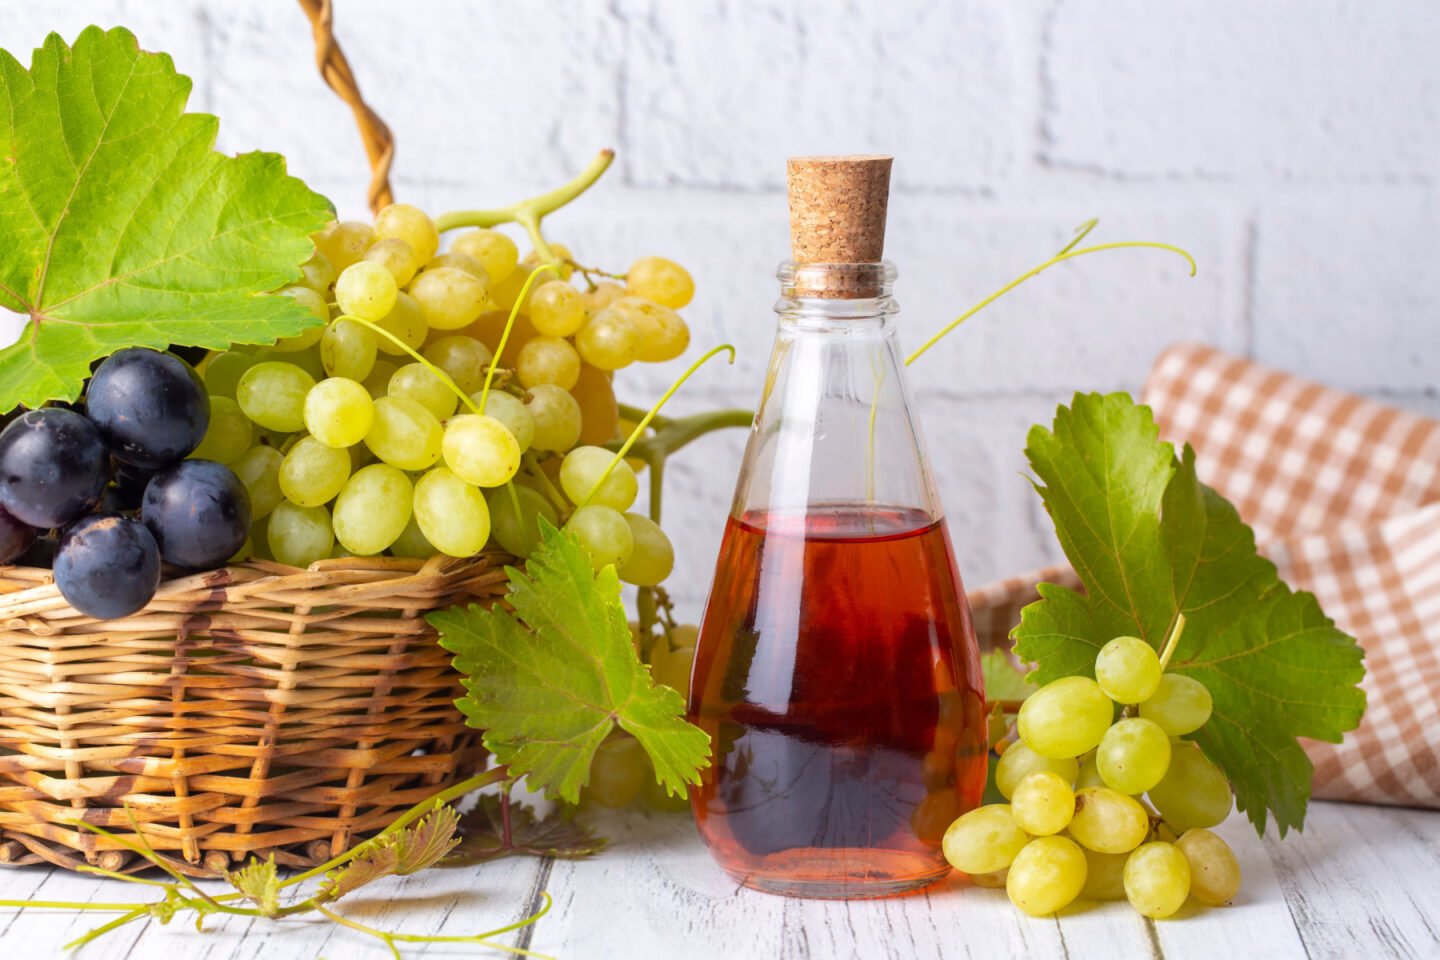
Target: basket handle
[335,69]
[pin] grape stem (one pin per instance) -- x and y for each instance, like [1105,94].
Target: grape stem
[671,434]
[528,213]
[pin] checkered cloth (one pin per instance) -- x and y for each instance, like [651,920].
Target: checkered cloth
[1344,497]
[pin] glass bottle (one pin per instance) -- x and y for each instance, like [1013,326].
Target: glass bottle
[836,670]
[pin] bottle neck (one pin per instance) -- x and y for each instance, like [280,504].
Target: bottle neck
[822,296]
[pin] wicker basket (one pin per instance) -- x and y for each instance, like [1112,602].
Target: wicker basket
[254,709]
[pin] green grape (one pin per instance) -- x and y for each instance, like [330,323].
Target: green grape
[599,413]
[379,380]
[496,252]
[452,513]
[347,349]
[556,309]
[657,797]
[1157,879]
[518,534]
[1133,756]
[339,412]
[672,668]
[1214,871]
[402,221]
[418,382]
[653,557]
[395,255]
[460,262]
[513,412]
[307,360]
[481,450]
[1107,821]
[663,281]
[609,341]
[465,359]
[298,536]
[318,273]
[412,543]
[617,772]
[373,508]
[313,302]
[556,416]
[990,881]
[1065,718]
[1180,705]
[259,469]
[604,294]
[366,290]
[344,243]
[1194,792]
[259,539]
[1046,876]
[406,322]
[273,395]
[313,473]
[1019,761]
[449,298]
[1127,669]
[604,534]
[984,840]
[660,334]
[1089,775]
[1104,876]
[934,814]
[581,470]
[404,435]
[229,434]
[224,370]
[1043,803]
[548,360]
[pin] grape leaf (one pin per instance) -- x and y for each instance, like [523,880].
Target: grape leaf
[482,835]
[259,881]
[1150,541]
[1002,680]
[123,227]
[548,682]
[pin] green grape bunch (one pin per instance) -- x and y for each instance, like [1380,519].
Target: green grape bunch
[448,400]
[1078,823]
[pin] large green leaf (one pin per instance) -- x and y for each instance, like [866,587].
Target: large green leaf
[548,682]
[123,227]
[1150,542]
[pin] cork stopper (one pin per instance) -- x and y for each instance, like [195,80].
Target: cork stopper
[837,216]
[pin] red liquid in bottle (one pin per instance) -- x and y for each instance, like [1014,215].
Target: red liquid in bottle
[837,675]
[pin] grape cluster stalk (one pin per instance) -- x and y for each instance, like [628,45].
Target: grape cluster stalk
[1077,823]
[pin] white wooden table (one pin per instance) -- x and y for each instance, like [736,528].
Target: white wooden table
[1362,882]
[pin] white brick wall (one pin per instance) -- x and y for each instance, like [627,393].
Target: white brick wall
[1292,145]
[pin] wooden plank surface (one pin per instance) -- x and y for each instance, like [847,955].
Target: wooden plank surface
[1360,882]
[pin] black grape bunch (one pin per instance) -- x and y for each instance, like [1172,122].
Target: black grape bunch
[105,495]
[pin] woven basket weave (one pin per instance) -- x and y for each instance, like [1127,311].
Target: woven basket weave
[254,709]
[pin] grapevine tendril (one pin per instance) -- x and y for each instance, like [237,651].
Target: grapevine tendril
[640,427]
[444,377]
[1070,252]
[509,323]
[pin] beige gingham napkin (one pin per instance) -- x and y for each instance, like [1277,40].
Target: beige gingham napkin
[1344,497]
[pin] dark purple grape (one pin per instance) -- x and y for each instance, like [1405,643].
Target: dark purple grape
[15,537]
[198,512]
[40,554]
[53,467]
[151,407]
[107,566]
